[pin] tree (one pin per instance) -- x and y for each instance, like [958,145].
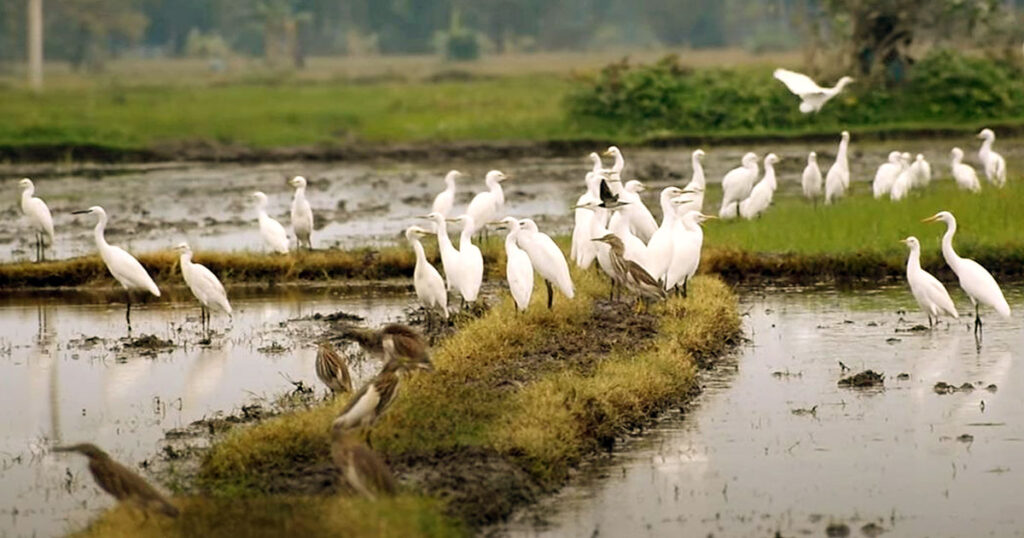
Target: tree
[87,31]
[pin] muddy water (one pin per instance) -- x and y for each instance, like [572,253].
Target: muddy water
[752,459]
[156,206]
[65,377]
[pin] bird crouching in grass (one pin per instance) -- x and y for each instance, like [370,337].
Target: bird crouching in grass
[121,482]
[361,467]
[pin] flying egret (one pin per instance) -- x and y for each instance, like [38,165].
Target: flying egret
[430,288]
[302,214]
[445,199]
[762,193]
[489,205]
[811,180]
[886,175]
[547,259]
[686,251]
[964,174]
[629,274]
[641,222]
[920,172]
[471,261]
[332,369]
[361,467]
[122,266]
[838,178]
[904,180]
[930,294]
[975,280]
[812,96]
[271,231]
[39,215]
[659,248]
[121,482]
[518,269]
[583,251]
[995,165]
[204,285]
[736,186]
[449,254]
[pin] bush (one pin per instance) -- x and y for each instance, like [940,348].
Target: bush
[461,45]
[667,96]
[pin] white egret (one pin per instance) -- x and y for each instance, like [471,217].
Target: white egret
[686,250]
[489,205]
[904,180]
[583,250]
[429,286]
[122,266]
[449,254]
[994,164]
[964,174]
[838,178]
[736,186]
[271,231]
[812,96]
[697,180]
[975,280]
[634,248]
[39,215]
[886,175]
[811,180]
[302,214]
[445,200]
[471,261]
[659,248]
[204,285]
[920,172]
[762,193]
[547,259]
[619,161]
[930,294]
[518,268]
[641,222]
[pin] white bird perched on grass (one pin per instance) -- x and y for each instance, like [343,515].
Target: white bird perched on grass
[686,251]
[811,180]
[471,261]
[930,294]
[122,266]
[761,195]
[302,214]
[547,259]
[995,165]
[429,286]
[659,248]
[449,254]
[920,172]
[975,280]
[904,180]
[736,187]
[583,250]
[640,220]
[518,268]
[886,175]
[39,215]
[697,180]
[204,285]
[445,200]
[271,231]
[964,174]
[838,178]
[489,205]
[812,96]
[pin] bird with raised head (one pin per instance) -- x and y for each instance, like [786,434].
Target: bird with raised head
[205,285]
[332,369]
[121,482]
[392,341]
[302,214]
[273,234]
[39,215]
[630,274]
[993,163]
[930,294]
[426,280]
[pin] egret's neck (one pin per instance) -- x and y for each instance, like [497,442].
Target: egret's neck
[27,194]
[101,225]
[841,154]
[466,237]
[510,243]
[769,175]
[668,213]
[261,209]
[300,192]
[957,159]
[620,163]
[914,260]
[986,146]
[593,186]
[442,233]
[616,185]
[186,259]
[495,187]
[597,168]
[698,172]
[952,258]
[421,256]
[449,184]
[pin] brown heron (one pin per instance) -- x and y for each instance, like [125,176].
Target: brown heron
[332,369]
[630,274]
[360,466]
[394,341]
[121,482]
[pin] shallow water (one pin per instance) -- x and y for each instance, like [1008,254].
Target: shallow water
[156,206]
[59,387]
[749,460]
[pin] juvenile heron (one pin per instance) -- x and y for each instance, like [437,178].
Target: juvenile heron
[360,466]
[332,369]
[629,273]
[36,210]
[393,341]
[121,482]
[370,403]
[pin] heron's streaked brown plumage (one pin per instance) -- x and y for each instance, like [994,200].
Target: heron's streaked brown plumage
[121,482]
[372,400]
[361,467]
[395,341]
[629,273]
[332,369]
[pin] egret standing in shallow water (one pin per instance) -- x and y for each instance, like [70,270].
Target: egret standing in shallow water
[429,285]
[812,97]
[35,209]
[122,266]
[995,165]
[302,214]
[445,200]
[975,280]
[930,294]
[121,482]
[204,285]
[271,231]
[546,258]
[518,269]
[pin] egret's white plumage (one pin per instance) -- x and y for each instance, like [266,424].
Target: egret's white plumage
[633,248]
[489,205]
[686,250]
[273,234]
[471,261]
[583,250]
[619,162]
[659,248]
[445,200]
[838,178]
[762,193]
[202,282]
[545,256]
[518,268]
[427,281]
[811,180]
[38,214]
[736,187]
[930,294]
[812,96]
[920,172]
[993,163]
[975,280]
[302,214]
[449,254]
[886,175]
[964,174]
[904,180]
[697,181]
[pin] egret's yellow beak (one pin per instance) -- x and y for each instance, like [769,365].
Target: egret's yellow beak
[932,218]
[605,152]
[904,241]
[709,217]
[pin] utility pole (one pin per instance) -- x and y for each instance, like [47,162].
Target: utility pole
[35,44]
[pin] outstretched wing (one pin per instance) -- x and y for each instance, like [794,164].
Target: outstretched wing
[797,83]
[606,194]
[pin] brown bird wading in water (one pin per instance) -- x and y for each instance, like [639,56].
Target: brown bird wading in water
[121,482]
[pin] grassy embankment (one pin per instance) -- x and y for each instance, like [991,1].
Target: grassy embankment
[515,403]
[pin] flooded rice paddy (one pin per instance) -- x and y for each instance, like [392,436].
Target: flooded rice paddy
[773,447]
[66,376]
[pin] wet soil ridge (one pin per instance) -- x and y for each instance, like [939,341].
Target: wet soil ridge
[516,402]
